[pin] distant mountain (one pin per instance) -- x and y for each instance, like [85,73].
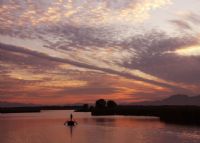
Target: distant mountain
[12,104]
[174,100]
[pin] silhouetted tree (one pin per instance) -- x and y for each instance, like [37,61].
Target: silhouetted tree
[111,104]
[101,103]
[91,108]
[85,106]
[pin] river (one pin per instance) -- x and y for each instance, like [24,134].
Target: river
[48,127]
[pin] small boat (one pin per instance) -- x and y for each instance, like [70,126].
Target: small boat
[71,122]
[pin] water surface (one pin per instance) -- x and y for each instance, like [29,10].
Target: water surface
[48,127]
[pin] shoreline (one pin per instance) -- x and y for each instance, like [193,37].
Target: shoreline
[186,115]
[36,109]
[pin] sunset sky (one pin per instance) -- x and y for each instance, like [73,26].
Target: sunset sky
[77,51]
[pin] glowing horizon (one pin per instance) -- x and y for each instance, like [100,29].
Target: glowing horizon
[77,51]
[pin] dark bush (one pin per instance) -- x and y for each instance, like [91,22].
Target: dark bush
[101,103]
[111,104]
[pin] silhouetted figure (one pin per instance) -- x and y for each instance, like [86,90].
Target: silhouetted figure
[71,117]
[71,122]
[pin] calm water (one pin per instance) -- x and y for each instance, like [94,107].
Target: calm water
[48,127]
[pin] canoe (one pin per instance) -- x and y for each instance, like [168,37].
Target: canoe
[71,123]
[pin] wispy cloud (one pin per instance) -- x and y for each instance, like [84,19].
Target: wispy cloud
[63,49]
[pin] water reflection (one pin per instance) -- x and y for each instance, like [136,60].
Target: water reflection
[47,127]
[123,121]
[71,131]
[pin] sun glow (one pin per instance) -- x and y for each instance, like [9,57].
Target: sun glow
[189,51]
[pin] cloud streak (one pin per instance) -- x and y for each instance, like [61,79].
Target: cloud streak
[92,49]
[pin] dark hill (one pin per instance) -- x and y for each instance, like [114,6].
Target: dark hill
[174,100]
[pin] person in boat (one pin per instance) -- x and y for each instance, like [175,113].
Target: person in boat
[71,122]
[71,117]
